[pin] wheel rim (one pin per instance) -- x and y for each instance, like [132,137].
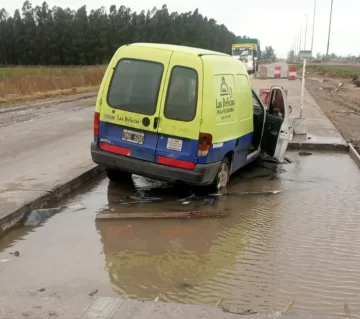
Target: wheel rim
[223,176]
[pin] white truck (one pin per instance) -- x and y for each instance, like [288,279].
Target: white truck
[246,55]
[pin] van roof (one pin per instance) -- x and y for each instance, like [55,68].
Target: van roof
[179,48]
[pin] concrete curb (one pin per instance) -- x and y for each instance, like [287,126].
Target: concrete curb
[318,146]
[354,154]
[14,218]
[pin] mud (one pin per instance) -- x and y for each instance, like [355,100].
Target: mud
[341,104]
[292,233]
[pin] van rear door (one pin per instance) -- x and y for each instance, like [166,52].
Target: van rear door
[180,112]
[130,106]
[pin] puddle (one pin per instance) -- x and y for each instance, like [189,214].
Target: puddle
[292,233]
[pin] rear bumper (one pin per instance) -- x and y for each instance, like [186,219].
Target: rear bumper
[202,175]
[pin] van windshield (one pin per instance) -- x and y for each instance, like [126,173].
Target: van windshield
[135,86]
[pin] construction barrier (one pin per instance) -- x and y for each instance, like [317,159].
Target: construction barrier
[277,72]
[263,73]
[291,73]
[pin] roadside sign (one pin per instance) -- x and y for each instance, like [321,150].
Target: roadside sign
[305,54]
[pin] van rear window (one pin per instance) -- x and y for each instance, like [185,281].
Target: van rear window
[181,97]
[135,86]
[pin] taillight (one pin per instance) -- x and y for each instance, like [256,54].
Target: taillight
[96,123]
[204,144]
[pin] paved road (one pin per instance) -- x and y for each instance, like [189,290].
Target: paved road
[42,144]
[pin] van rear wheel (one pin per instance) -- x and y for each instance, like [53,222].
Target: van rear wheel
[223,175]
[117,176]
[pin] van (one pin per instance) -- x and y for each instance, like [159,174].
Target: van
[183,115]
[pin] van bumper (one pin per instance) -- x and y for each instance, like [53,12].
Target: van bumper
[201,175]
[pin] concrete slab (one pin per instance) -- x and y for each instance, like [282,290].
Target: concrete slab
[161,215]
[321,132]
[44,305]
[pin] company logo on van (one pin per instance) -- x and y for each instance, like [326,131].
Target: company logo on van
[224,89]
[225,106]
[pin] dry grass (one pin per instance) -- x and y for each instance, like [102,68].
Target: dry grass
[29,83]
[348,71]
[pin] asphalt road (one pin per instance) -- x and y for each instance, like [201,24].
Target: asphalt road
[41,144]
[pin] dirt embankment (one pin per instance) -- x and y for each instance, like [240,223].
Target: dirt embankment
[339,98]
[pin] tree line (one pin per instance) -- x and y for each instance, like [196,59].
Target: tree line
[57,36]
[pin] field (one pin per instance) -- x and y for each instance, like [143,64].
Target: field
[29,83]
[349,71]
[338,94]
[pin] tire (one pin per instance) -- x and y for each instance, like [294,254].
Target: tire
[222,177]
[117,176]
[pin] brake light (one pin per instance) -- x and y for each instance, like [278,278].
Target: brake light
[204,144]
[96,123]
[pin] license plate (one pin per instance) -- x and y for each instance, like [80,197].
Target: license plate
[133,137]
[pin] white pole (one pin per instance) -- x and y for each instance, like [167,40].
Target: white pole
[328,44]
[303,88]
[313,29]
[306,30]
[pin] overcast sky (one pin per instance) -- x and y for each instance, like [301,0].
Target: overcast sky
[273,22]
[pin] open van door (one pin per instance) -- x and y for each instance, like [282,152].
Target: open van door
[278,127]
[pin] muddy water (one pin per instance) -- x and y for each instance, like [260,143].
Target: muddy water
[300,243]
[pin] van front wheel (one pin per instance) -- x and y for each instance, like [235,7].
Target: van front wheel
[223,175]
[117,176]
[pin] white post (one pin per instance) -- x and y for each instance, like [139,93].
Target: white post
[303,88]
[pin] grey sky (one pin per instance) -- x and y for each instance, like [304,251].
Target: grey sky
[273,22]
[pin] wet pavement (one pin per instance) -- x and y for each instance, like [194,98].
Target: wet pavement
[292,233]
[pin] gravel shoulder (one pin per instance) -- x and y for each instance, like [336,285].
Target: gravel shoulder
[340,101]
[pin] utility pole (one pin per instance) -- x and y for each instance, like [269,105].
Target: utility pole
[328,44]
[306,30]
[300,38]
[313,29]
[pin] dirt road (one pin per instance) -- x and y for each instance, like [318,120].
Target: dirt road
[340,101]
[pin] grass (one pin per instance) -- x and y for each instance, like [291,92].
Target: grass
[29,83]
[342,71]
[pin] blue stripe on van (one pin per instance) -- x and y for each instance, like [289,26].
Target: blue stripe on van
[217,154]
[112,134]
[155,145]
[188,151]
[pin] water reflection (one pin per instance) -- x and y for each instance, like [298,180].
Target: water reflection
[186,260]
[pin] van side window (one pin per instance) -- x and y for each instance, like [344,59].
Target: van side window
[181,97]
[135,86]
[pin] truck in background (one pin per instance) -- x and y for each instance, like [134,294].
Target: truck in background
[248,51]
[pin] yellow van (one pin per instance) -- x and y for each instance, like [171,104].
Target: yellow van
[183,115]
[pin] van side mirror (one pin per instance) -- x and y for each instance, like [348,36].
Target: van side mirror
[290,109]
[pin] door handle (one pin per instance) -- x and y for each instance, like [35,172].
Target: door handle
[156,123]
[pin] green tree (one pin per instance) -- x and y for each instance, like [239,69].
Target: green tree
[291,56]
[269,54]
[60,36]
